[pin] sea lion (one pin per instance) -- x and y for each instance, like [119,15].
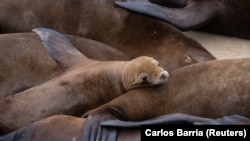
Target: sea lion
[227,17]
[103,21]
[211,89]
[71,127]
[84,84]
[25,63]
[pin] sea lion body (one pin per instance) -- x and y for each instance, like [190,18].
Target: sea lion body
[71,127]
[25,63]
[129,32]
[225,17]
[85,84]
[203,89]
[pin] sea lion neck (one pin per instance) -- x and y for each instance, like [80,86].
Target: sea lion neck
[108,78]
[127,77]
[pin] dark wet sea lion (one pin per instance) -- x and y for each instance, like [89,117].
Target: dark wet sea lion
[204,89]
[103,21]
[228,17]
[84,84]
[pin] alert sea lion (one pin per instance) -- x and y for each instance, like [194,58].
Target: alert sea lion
[228,17]
[65,127]
[211,89]
[103,21]
[84,84]
[25,63]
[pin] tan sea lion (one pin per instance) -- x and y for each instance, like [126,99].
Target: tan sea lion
[103,21]
[212,89]
[25,63]
[65,127]
[228,17]
[84,84]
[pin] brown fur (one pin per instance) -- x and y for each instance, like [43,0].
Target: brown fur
[25,63]
[212,89]
[85,84]
[131,33]
[227,17]
[66,128]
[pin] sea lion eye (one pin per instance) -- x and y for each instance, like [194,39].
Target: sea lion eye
[145,79]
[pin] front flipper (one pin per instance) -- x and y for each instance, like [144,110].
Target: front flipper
[59,47]
[9,137]
[188,18]
[226,120]
[93,131]
[102,125]
[176,118]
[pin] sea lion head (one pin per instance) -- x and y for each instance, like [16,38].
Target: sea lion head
[144,71]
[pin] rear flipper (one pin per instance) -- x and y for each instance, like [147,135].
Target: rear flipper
[59,47]
[188,18]
[171,3]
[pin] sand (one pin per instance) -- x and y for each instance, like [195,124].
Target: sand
[222,47]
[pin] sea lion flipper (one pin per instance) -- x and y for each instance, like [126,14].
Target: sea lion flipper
[59,47]
[226,120]
[104,125]
[176,118]
[9,137]
[107,134]
[93,130]
[187,18]
[112,134]
[170,3]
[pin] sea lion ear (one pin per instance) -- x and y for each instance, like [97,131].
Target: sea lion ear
[59,47]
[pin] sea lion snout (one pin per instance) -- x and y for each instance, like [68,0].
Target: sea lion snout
[162,78]
[164,75]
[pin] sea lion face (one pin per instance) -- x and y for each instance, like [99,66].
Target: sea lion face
[146,71]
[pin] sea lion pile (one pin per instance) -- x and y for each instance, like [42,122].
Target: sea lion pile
[87,70]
